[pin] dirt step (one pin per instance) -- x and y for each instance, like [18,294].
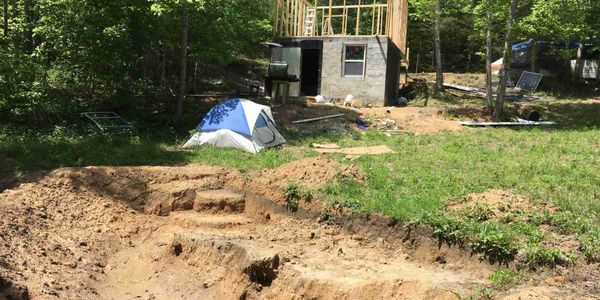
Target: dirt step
[219,200]
[192,219]
[251,269]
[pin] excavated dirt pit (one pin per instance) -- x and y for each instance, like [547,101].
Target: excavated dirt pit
[195,232]
[198,232]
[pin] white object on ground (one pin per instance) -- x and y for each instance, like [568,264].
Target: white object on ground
[520,122]
[349,100]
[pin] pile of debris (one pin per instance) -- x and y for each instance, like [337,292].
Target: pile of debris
[383,124]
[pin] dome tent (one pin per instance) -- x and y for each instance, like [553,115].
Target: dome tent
[237,123]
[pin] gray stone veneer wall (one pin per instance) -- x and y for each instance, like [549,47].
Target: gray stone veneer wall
[368,90]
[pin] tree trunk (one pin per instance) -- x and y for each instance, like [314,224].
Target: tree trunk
[5,15]
[507,61]
[534,56]
[163,69]
[182,61]
[439,77]
[28,9]
[578,63]
[196,76]
[488,62]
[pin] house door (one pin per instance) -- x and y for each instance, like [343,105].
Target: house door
[310,77]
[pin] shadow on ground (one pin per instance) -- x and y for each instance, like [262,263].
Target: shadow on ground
[35,154]
[570,114]
[25,152]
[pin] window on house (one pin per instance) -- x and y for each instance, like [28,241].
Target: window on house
[354,60]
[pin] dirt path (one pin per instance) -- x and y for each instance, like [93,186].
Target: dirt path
[192,233]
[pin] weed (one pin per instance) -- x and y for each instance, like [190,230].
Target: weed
[505,279]
[325,217]
[538,255]
[294,193]
[483,293]
[494,243]
[292,196]
[590,246]
[478,212]
[307,195]
[446,229]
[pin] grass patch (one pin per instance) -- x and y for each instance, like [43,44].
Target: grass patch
[27,151]
[546,166]
[426,171]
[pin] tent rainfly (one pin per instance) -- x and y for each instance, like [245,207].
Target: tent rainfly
[237,123]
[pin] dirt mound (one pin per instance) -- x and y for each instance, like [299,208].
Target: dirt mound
[496,203]
[57,235]
[419,120]
[310,172]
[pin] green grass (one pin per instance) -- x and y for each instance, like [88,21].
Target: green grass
[25,151]
[559,166]
[547,166]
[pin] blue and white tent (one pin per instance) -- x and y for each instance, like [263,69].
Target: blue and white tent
[237,123]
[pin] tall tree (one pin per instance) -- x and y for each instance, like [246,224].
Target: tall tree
[5,16]
[507,60]
[185,25]
[488,60]
[28,8]
[439,77]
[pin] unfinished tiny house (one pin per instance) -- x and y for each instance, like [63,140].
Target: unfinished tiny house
[339,47]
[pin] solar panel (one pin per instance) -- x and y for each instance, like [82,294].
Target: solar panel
[529,81]
[109,122]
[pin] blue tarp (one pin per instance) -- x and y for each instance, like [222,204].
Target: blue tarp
[228,114]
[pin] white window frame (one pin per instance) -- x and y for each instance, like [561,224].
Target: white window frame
[364,61]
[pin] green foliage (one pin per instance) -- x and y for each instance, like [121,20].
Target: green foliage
[590,245]
[71,56]
[558,20]
[63,147]
[539,256]
[307,195]
[505,279]
[294,193]
[292,196]
[494,243]
[447,229]
[464,26]
[483,292]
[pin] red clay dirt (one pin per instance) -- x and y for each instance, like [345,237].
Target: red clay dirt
[191,232]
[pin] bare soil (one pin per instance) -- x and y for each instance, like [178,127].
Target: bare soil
[198,232]
[184,232]
[497,203]
[417,120]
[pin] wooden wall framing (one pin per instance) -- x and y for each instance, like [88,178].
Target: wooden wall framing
[351,18]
